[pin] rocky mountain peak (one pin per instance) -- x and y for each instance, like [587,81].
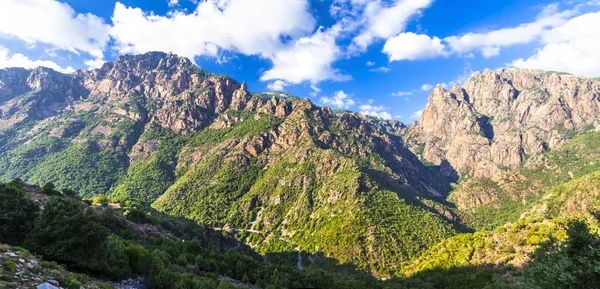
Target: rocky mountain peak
[499,118]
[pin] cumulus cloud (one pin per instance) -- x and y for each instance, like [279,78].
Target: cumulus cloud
[426,87]
[20,60]
[277,85]
[173,3]
[248,27]
[572,47]
[53,23]
[374,110]
[489,43]
[411,46]
[281,31]
[382,22]
[308,58]
[94,63]
[339,100]
[370,63]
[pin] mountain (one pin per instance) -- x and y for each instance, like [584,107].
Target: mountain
[500,119]
[285,173]
[306,186]
[509,135]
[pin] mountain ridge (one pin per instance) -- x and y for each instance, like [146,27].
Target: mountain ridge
[334,185]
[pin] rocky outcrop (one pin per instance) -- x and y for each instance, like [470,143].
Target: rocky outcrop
[499,119]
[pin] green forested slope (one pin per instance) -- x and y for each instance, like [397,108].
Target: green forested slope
[516,192]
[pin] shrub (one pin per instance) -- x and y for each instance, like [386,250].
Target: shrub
[66,233]
[49,189]
[69,193]
[49,265]
[17,214]
[71,283]
[10,265]
[534,240]
[101,199]
[21,249]
[570,264]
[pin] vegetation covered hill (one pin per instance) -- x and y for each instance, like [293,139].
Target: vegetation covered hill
[562,182]
[269,190]
[74,243]
[272,167]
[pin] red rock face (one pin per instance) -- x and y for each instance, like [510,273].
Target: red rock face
[499,117]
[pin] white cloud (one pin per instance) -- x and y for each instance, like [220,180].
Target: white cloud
[380,69]
[402,93]
[20,60]
[370,63]
[315,91]
[383,22]
[417,114]
[308,58]
[248,27]
[411,46]
[572,47]
[490,43]
[379,114]
[273,29]
[94,63]
[374,110]
[339,100]
[426,87]
[173,3]
[277,85]
[53,23]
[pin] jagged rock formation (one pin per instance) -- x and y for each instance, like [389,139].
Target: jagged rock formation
[158,128]
[281,172]
[501,118]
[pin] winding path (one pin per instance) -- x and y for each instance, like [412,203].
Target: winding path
[299,263]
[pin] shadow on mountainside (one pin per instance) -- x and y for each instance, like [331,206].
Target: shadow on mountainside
[167,249]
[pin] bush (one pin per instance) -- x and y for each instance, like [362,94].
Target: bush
[10,265]
[101,199]
[71,283]
[66,233]
[571,264]
[21,249]
[49,265]
[17,214]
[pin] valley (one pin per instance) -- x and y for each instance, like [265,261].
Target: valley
[279,189]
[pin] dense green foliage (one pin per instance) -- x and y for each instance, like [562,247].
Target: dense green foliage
[65,232]
[17,214]
[86,167]
[577,158]
[102,241]
[574,263]
[509,245]
[150,177]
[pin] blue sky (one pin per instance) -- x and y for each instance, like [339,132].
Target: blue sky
[377,57]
